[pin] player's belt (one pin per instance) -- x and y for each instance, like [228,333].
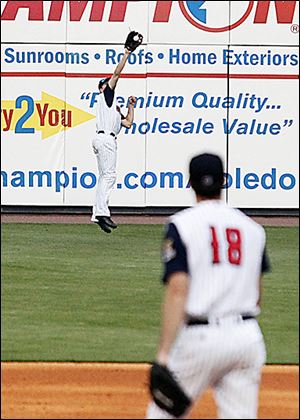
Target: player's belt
[204,321]
[103,132]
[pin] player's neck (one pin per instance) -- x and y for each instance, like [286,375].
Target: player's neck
[201,198]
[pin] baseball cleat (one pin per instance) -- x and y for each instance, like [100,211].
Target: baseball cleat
[110,223]
[102,224]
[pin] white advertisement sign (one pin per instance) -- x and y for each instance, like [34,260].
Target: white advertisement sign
[263,128]
[201,82]
[32,141]
[170,22]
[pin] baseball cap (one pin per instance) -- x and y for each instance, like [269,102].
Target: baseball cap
[102,82]
[206,174]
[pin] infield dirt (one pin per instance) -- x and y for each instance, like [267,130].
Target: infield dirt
[118,391]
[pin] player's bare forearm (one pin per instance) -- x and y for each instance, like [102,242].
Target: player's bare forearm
[127,122]
[130,115]
[172,313]
[118,70]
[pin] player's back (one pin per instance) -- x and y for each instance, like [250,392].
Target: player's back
[224,252]
[107,118]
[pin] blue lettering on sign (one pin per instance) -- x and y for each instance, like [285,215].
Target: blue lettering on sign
[60,180]
[30,109]
[128,183]
[152,184]
[88,184]
[268,181]
[251,181]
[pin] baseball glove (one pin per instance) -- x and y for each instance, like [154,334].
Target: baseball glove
[166,392]
[133,40]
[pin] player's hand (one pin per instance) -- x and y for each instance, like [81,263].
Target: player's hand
[162,358]
[133,40]
[132,100]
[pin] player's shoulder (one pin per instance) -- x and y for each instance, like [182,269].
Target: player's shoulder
[249,222]
[183,221]
[182,215]
[186,219]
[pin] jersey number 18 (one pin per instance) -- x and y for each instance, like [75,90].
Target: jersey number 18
[234,253]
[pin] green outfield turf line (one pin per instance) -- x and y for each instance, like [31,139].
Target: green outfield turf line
[74,293]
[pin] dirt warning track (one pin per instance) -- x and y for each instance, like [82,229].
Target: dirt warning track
[118,391]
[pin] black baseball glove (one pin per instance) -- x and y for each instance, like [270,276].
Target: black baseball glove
[133,40]
[166,392]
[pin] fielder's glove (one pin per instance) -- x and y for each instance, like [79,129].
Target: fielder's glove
[133,40]
[166,392]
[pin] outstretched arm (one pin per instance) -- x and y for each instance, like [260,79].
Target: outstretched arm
[128,120]
[118,70]
[133,40]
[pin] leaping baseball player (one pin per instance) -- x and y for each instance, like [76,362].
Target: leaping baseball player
[109,121]
[214,257]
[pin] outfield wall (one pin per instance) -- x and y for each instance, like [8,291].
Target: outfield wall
[215,76]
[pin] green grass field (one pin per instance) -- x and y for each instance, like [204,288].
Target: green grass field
[73,293]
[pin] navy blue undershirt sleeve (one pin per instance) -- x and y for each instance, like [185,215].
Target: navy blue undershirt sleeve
[265,263]
[173,253]
[109,95]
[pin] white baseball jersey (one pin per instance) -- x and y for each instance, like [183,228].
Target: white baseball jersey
[222,250]
[108,118]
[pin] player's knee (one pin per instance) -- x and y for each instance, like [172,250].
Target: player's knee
[110,177]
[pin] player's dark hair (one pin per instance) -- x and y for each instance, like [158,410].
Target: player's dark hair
[207,175]
[102,82]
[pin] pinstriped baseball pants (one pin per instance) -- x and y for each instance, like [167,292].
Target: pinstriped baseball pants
[105,149]
[228,358]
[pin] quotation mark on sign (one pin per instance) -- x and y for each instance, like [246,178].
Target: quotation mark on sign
[86,95]
[287,123]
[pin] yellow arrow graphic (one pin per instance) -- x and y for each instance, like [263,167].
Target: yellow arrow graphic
[51,115]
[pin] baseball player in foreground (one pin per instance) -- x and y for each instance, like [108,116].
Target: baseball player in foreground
[214,257]
[109,121]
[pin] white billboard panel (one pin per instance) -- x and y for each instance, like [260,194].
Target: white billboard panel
[33,21]
[106,22]
[179,130]
[33,141]
[179,124]
[36,60]
[189,22]
[269,23]
[263,129]
[170,22]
